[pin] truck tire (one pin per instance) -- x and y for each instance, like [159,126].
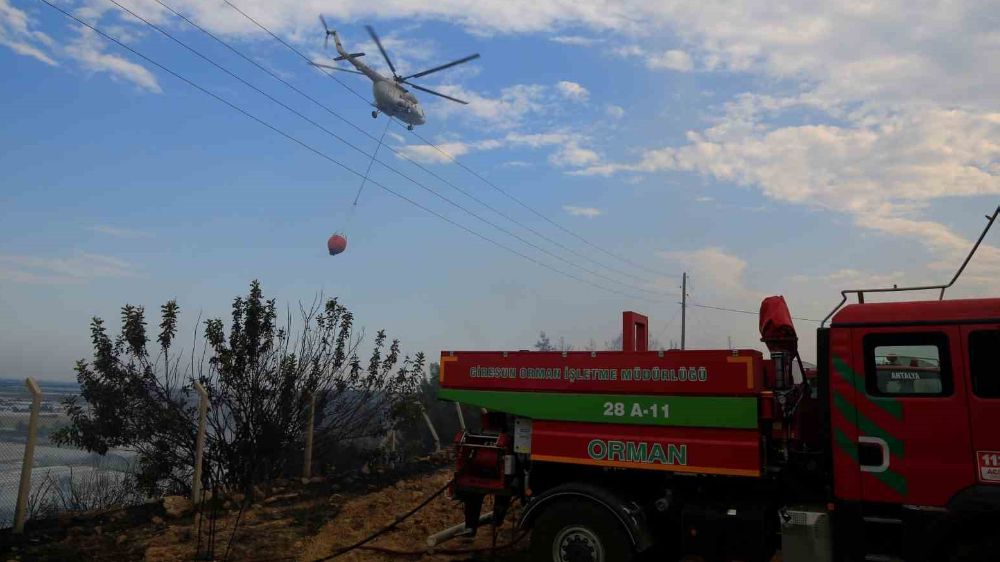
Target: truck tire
[579,531]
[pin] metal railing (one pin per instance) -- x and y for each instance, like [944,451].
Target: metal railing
[861,292]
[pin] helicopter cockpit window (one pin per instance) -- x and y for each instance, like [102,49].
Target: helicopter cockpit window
[907,365]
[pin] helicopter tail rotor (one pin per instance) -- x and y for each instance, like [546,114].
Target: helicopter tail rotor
[326,28]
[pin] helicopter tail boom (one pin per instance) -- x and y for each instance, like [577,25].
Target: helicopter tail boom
[353,58]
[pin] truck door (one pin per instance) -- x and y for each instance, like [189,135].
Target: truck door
[914,441]
[982,346]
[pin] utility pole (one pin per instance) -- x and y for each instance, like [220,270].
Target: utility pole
[684,295]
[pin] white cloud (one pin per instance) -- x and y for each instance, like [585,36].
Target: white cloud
[568,148]
[573,91]
[119,232]
[87,49]
[588,212]
[513,106]
[535,140]
[904,157]
[572,154]
[577,40]
[429,154]
[507,110]
[705,199]
[77,268]
[905,95]
[853,278]
[671,60]
[845,48]
[17,35]
[717,274]
[615,111]
[881,168]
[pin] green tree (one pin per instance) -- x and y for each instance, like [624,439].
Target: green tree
[259,379]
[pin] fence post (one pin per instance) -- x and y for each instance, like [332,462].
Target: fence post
[20,510]
[430,426]
[461,418]
[307,462]
[199,448]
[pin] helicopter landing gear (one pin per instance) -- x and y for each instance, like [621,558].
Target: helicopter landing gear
[375,115]
[409,127]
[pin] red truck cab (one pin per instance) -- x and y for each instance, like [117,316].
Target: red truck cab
[914,410]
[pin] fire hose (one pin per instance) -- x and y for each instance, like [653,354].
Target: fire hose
[399,519]
[363,543]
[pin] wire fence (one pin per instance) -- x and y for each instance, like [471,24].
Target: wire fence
[65,479]
[61,479]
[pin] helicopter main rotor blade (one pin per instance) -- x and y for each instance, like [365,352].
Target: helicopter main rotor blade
[429,91]
[335,68]
[385,55]
[442,67]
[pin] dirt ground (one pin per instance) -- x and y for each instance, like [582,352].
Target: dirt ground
[363,515]
[290,522]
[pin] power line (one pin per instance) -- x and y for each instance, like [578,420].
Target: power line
[370,155]
[398,153]
[339,164]
[329,158]
[736,310]
[455,160]
[537,213]
[668,324]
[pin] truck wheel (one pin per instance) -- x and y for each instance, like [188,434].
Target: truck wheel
[575,531]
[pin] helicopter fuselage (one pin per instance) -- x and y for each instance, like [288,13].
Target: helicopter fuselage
[396,101]
[390,96]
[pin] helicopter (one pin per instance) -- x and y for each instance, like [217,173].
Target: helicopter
[391,97]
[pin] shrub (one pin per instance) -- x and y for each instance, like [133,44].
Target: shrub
[259,379]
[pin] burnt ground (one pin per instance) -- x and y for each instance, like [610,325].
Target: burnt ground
[290,521]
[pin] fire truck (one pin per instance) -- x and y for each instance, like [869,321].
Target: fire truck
[889,450]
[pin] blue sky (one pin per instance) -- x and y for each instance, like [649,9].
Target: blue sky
[761,150]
